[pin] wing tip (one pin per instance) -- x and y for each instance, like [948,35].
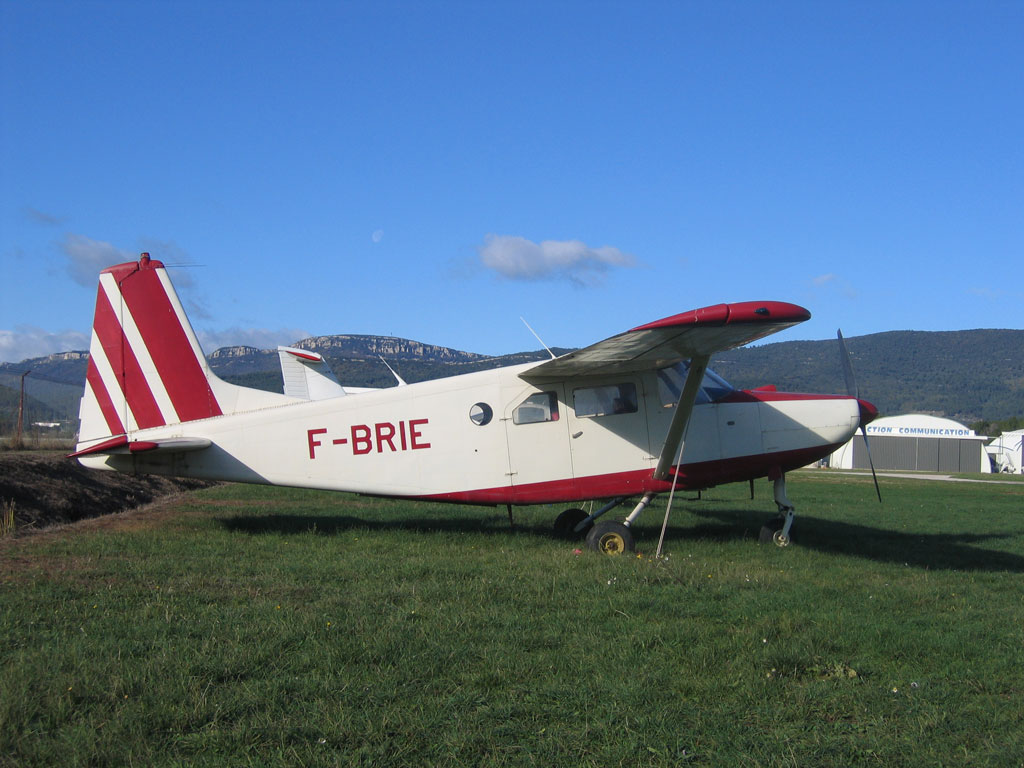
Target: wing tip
[774,312]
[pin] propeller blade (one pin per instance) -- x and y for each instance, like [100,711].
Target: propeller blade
[854,392]
[844,359]
[867,448]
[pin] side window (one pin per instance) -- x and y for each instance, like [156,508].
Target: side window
[538,407]
[670,385]
[605,400]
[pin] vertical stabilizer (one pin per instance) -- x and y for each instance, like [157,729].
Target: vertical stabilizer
[146,368]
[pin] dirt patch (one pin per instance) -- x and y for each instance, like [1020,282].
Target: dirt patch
[47,489]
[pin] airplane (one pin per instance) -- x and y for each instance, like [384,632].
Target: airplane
[628,418]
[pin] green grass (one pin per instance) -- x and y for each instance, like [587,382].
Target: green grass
[256,626]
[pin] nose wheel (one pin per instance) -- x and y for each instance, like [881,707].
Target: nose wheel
[777,529]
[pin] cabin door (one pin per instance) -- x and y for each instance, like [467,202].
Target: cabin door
[536,427]
[608,431]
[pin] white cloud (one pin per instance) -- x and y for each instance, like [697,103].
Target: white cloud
[42,217]
[377,236]
[520,259]
[831,284]
[27,341]
[261,338]
[994,293]
[87,257]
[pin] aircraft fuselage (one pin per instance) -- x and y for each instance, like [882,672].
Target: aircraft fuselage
[493,438]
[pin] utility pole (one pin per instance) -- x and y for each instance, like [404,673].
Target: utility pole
[21,409]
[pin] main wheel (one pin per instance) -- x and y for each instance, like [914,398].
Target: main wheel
[610,538]
[566,522]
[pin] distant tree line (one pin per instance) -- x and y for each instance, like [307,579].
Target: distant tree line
[996,428]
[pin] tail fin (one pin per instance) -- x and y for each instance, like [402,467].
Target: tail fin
[146,368]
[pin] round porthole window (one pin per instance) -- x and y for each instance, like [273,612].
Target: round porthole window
[481,414]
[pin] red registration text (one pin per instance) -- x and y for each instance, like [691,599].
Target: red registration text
[382,437]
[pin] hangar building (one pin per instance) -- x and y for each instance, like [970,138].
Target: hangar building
[916,442]
[1007,452]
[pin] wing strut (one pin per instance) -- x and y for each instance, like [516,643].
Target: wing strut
[676,437]
[677,429]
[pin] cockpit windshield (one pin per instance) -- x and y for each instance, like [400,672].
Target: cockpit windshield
[670,385]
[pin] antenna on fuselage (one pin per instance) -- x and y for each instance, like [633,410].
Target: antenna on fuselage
[401,381]
[538,338]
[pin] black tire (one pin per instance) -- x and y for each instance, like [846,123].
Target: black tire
[566,522]
[769,529]
[611,538]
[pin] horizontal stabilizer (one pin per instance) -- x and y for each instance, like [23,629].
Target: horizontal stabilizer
[122,445]
[307,375]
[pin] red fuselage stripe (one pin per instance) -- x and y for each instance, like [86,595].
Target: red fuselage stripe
[126,366]
[691,477]
[99,391]
[169,346]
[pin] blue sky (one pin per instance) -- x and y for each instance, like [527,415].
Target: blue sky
[437,170]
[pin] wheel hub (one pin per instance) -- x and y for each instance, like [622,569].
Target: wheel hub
[611,544]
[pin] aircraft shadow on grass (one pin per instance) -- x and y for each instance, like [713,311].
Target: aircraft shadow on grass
[934,551]
[332,525]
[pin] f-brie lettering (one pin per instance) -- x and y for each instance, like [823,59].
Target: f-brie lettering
[382,437]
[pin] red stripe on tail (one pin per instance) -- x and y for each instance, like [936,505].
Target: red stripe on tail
[122,359]
[99,391]
[176,361]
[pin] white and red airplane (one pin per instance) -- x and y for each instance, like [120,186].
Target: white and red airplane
[630,417]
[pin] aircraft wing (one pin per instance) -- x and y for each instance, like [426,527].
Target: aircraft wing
[695,334]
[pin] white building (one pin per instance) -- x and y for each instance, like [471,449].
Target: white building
[1007,453]
[916,442]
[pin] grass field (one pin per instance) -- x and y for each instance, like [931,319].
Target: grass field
[251,626]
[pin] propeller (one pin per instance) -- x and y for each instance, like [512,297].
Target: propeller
[867,411]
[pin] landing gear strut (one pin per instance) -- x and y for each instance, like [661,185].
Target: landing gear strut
[606,537]
[777,529]
[573,523]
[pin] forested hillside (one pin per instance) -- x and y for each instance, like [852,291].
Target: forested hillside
[964,375]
